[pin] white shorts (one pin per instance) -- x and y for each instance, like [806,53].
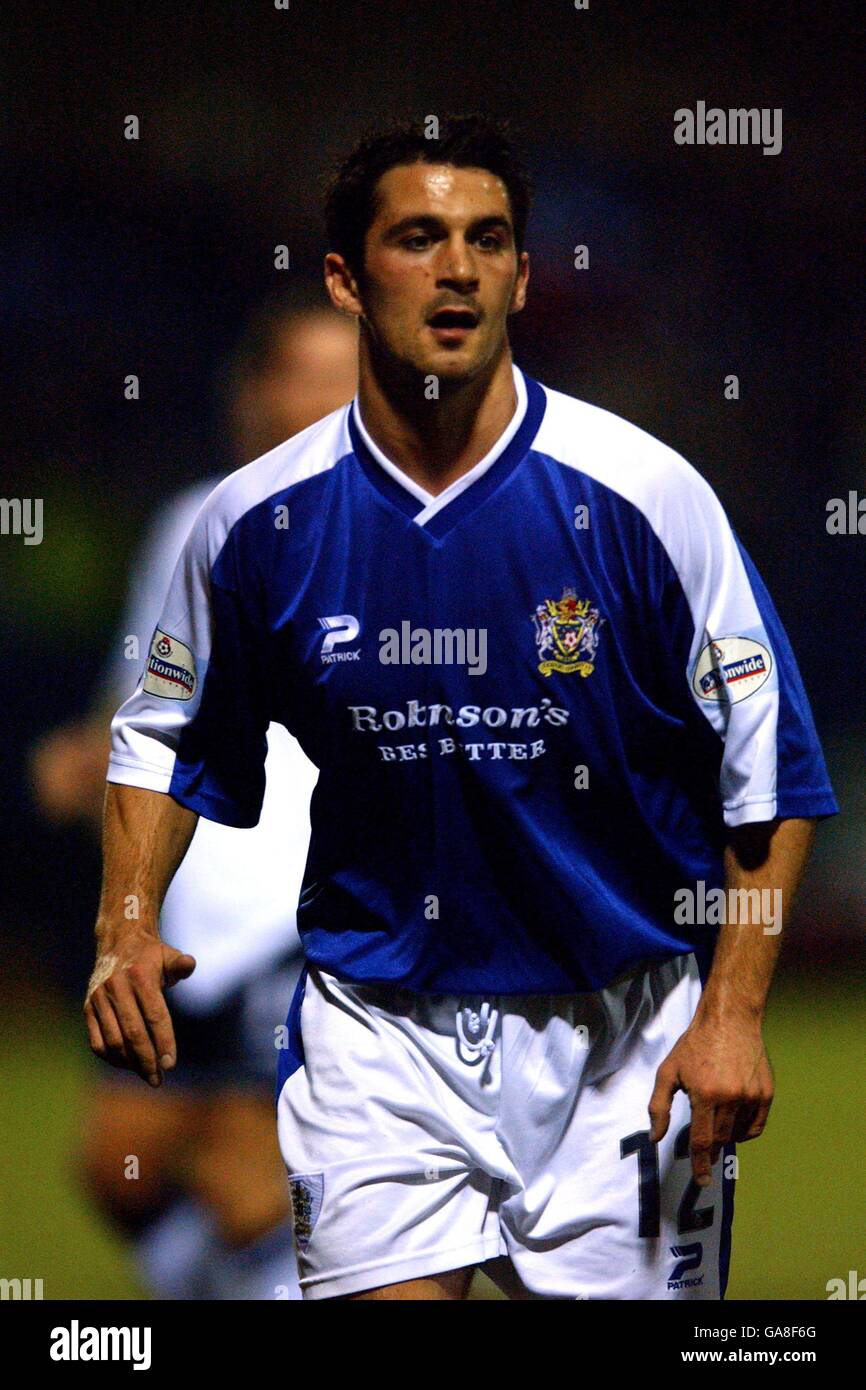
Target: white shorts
[425,1133]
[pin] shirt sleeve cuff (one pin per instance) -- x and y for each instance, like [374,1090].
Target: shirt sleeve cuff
[784,806]
[130,774]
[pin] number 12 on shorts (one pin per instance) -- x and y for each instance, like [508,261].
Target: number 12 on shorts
[689,1217]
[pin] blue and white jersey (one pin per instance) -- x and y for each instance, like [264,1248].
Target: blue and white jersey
[232,902]
[535,701]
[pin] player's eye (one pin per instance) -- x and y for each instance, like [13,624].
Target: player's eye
[419,241]
[491,241]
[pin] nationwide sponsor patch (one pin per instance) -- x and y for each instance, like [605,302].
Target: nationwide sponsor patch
[566,634]
[170,668]
[731,668]
[307,1193]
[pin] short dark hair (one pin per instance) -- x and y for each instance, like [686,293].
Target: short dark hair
[470,141]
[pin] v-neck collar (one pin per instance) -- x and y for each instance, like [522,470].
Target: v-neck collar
[437,514]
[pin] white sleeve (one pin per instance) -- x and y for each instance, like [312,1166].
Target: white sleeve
[740,668]
[196,725]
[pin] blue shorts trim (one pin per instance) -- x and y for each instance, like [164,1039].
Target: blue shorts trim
[292,1055]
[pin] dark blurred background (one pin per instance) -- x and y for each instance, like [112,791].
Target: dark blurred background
[144,256]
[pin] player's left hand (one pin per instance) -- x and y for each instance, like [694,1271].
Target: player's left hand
[724,1070]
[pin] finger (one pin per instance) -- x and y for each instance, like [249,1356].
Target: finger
[701,1140]
[178,967]
[106,1018]
[109,1027]
[666,1086]
[723,1129]
[135,1032]
[745,1118]
[154,1011]
[94,1032]
[761,1115]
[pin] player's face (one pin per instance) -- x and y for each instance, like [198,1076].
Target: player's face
[441,270]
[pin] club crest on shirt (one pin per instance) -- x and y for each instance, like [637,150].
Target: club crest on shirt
[566,634]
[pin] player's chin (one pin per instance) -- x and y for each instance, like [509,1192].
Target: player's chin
[454,363]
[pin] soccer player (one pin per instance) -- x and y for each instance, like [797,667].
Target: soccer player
[551,705]
[208,1209]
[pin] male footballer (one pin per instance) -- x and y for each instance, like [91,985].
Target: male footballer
[551,703]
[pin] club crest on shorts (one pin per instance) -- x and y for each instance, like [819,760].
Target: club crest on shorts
[566,634]
[170,668]
[307,1193]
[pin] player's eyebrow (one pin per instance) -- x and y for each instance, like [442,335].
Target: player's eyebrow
[426,222]
[495,222]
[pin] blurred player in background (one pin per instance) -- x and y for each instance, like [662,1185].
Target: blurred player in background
[208,1208]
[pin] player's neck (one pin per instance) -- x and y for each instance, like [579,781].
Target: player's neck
[434,442]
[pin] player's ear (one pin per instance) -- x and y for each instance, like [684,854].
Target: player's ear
[518,294]
[342,285]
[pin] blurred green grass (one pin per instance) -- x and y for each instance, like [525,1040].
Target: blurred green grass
[799,1205]
[48,1230]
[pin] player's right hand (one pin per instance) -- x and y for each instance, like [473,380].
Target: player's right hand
[127,1017]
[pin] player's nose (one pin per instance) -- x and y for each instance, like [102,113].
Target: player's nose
[457,264]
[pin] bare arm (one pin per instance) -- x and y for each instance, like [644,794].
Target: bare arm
[720,1061]
[145,837]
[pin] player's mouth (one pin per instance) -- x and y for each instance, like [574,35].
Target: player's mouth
[451,327]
